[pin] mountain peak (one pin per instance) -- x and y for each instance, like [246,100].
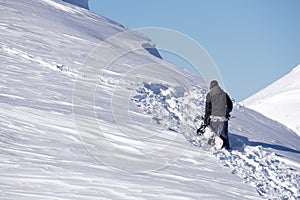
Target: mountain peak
[80,3]
[279,101]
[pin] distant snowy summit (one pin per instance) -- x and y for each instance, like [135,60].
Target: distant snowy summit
[280,100]
[80,3]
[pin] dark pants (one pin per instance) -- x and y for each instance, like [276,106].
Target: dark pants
[221,129]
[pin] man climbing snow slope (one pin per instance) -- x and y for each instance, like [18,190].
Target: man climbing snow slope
[217,111]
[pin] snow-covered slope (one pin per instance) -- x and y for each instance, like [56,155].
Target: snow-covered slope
[73,127]
[280,100]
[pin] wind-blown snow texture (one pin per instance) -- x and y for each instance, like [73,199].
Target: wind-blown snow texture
[280,100]
[43,45]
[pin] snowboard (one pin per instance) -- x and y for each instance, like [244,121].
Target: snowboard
[212,139]
[207,135]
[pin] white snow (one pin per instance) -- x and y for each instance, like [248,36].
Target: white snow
[60,6]
[129,139]
[280,100]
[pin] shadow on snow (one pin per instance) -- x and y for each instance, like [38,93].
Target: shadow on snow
[238,142]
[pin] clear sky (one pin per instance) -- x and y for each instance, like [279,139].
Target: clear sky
[252,42]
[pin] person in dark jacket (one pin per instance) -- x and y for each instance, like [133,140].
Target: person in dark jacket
[217,111]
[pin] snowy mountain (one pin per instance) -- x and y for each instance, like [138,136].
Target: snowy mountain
[280,100]
[88,112]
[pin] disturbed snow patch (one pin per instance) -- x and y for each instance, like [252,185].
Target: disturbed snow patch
[264,170]
[173,107]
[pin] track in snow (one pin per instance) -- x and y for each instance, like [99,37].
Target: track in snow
[264,170]
[259,167]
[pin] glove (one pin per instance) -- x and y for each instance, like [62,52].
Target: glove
[201,130]
[228,115]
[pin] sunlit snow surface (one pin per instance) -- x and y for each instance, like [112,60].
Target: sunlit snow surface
[280,100]
[49,135]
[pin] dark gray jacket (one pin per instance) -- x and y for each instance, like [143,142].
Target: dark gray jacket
[218,103]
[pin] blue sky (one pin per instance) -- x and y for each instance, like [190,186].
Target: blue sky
[253,42]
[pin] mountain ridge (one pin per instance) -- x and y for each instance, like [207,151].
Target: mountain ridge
[279,100]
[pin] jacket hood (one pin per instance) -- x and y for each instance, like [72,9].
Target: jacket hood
[216,90]
[213,84]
